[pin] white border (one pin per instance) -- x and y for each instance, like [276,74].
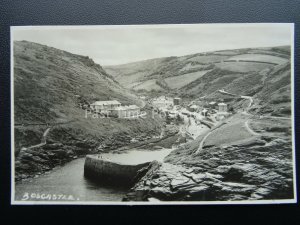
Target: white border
[244,202]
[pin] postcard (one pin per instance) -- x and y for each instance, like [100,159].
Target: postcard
[153,114]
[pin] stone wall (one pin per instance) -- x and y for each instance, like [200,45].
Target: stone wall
[111,173]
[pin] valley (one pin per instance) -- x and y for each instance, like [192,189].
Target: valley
[225,118]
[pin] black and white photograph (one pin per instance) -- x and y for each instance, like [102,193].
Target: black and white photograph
[153,114]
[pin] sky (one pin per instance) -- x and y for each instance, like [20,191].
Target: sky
[114,45]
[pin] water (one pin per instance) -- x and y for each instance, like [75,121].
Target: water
[68,183]
[137,156]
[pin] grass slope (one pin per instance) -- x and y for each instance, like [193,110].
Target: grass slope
[263,73]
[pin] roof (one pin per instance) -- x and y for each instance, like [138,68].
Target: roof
[212,103]
[204,110]
[194,107]
[221,103]
[112,102]
[127,107]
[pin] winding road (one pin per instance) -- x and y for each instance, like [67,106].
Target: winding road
[202,142]
[246,122]
[249,129]
[250,101]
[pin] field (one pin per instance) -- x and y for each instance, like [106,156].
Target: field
[206,59]
[273,127]
[266,76]
[227,134]
[182,80]
[147,85]
[260,58]
[242,67]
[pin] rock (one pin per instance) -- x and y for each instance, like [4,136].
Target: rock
[261,193]
[23,166]
[179,181]
[233,174]
[214,176]
[237,187]
[154,183]
[27,156]
[199,177]
[38,159]
[70,153]
[53,146]
[222,169]
[60,153]
[44,156]
[161,190]
[198,189]
[190,170]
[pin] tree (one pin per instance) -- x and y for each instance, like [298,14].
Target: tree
[179,119]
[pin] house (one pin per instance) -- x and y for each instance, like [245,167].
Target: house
[193,108]
[212,105]
[222,107]
[204,112]
[222,111]
[99,106]
[176,101]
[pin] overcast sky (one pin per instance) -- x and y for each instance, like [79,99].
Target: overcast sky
[113,45]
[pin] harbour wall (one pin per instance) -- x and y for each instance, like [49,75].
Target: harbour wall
[112,173]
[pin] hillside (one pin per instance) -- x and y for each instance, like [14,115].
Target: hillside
[263,73]
[248,156]
[51,83]
[49,86]
[234,164]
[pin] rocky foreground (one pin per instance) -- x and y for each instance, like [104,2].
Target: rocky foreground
[257,169]
[36,161]
[32,162]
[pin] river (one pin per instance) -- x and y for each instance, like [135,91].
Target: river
[68,183]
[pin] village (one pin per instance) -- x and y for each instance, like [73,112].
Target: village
[190,117]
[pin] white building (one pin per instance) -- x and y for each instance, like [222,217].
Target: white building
[163,102]
[222,111]
[99,106]
[222,107]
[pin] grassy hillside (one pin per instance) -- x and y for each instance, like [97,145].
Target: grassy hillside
[234,164]
[49,86]
[263,73]
[246,157]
